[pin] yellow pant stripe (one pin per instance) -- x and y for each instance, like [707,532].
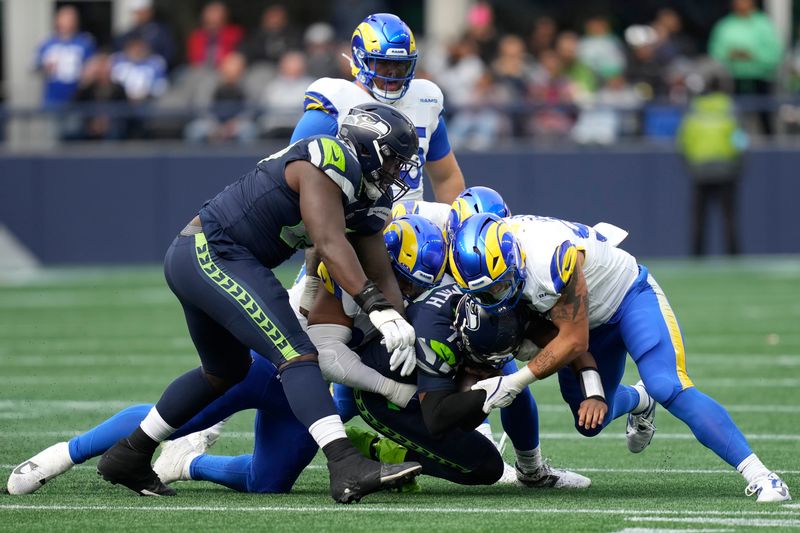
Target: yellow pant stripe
[242,297]
[674,334]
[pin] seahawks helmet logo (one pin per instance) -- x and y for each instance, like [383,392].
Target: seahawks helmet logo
[472,320]
[368,121]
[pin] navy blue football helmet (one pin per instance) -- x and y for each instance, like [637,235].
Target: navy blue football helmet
[385,142]
[488,339]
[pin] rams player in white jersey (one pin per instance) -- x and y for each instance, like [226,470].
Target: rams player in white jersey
[384,57]
[600,299]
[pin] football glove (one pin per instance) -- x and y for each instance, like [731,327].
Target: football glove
[501,390]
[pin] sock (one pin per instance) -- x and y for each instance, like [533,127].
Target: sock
[529,460]
[103,436]
[155,427]
[752,468]
[644,400]
[231,472]
[485,429]
[186,396]
[308,395]
[326,430]
[626,400]
[521,418]
[711,424]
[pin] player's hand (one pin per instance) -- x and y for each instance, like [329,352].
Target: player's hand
[591,413]
[404,358]
[500,392]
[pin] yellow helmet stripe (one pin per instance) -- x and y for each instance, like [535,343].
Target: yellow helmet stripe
[495,262]
[454,270]
[408,245]
[369,37]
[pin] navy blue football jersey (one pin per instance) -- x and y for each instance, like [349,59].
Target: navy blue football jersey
[438,352]
[262,213]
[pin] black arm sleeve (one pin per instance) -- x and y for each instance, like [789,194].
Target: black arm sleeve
[446,410]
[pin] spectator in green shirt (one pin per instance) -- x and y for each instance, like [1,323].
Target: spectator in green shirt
[747,44]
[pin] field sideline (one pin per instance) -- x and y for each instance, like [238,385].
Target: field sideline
[78,344]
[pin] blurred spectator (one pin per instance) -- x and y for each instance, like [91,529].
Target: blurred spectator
[479,124]
[146,27]
[481,30]
[282,94]
[143,76]
[553,88]
[600,49]
[228,117]
[609,114]
[747,44]
[712,143]
[214,39]
[581,76]
[346,15]
[100,121]
[645,69]
[461,73]
[141,73]
[512,71]
[321,55]
[672,42]
[61,57]
[543,35]
[273,38]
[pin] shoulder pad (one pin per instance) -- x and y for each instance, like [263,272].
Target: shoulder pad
[562,266]
[332,157]
[426,92]
[327,94]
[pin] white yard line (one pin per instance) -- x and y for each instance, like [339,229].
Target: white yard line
[665,516]
[748,522]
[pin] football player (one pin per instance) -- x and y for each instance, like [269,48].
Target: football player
[599,299]
[220,268]
[437,431]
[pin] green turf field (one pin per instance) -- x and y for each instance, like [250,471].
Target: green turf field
[76,345]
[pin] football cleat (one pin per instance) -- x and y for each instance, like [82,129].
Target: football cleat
[29,476]
[175,459]
[770,488]
[554,478]
[509,476]
[373,446]
[124,465]
[641,427]
[353,477]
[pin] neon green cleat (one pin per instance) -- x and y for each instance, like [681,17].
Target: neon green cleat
[373,446]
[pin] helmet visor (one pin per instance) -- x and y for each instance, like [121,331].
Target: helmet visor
[498,292]
[391,74]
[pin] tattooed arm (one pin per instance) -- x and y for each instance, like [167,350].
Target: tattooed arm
[570,315]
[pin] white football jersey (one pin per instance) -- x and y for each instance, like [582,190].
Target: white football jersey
[549,246]
[422,103]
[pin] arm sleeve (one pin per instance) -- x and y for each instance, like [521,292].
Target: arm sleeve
[444,411]
[440,143]
[314,122]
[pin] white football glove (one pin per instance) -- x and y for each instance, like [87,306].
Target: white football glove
[399,338]
[501,390]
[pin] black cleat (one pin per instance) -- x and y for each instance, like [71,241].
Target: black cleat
[354,477]
[126,466]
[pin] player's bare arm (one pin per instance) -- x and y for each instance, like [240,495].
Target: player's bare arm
[446,178]
[371,251]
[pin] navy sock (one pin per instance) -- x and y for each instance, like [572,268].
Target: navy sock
[186,396]
[306,392]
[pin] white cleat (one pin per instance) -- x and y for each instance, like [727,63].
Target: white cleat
[177,455]
[641,427]
[770,488]
[509,476]
[555,478]
[29,476]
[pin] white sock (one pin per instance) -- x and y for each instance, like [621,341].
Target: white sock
[752,469]
[155,427]
[644,400]
[485,429]
[326,430]
[529,460]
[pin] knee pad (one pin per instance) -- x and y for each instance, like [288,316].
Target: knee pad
[663,389]
[588,432]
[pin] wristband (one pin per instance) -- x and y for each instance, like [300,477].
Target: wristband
[591,385]
[522,377]
[309,292]
[370,298]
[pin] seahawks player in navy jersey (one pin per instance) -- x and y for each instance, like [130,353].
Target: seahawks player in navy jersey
[220,265]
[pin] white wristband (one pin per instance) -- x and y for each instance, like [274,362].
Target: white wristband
[309,292]
[591,385]
[522,377]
